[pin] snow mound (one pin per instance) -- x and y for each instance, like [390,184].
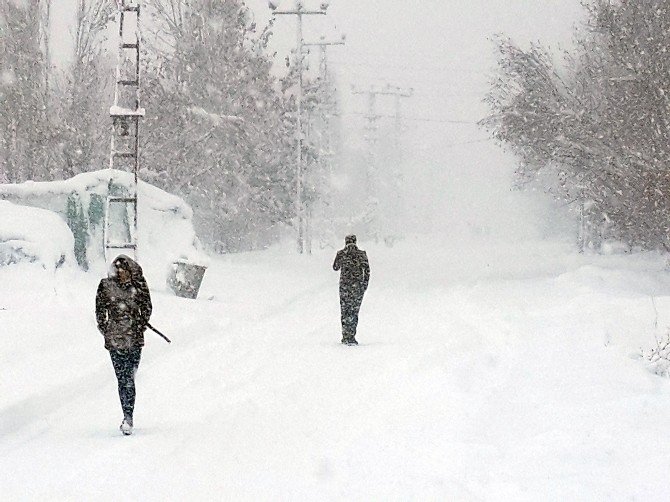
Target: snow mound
[165,226]
[29,234]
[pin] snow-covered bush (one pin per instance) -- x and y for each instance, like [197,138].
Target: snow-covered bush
[658,358]
[28,234]
[612,247]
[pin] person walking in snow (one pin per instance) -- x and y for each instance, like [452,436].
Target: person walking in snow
[354,278]
[122,310]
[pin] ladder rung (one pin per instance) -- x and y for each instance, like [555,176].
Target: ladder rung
[129,82]
[131,8]
[125,155]
[130,46]
[122,199]
[121,246]
[118,111]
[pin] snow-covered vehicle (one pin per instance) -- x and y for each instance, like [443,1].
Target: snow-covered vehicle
[34,235]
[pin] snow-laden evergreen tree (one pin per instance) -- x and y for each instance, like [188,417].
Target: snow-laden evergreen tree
[593,128]
[219,131]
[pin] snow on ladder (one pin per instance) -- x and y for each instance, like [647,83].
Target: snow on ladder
[120,228]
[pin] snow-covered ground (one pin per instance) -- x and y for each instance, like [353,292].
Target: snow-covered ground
[496,372]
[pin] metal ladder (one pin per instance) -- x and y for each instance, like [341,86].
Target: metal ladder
[120,227]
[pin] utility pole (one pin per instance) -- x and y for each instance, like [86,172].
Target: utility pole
[299,12]
[397,208]
[371,135]
[326,107]
[399,95]
[372,139]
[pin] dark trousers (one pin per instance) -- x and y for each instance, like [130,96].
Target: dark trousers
[125,364]
[351,297]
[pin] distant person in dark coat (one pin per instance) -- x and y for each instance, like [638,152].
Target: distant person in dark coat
[122,310]
[354,278]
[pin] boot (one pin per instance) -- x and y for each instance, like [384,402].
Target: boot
[126,426]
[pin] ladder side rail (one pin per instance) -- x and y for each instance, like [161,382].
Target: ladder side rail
[131,145]
[105,230]
[138,77]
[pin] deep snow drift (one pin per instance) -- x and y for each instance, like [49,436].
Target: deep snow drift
[503,373]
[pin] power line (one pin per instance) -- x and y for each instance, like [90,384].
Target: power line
[472,142]
[434,69]
[417,119]
[425,88]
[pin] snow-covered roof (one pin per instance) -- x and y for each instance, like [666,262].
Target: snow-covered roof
[97,182]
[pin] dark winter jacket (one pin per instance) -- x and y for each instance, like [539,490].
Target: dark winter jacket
[123,310]
[354,266]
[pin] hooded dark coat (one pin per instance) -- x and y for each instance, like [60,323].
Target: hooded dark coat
[354,266]
[123,310]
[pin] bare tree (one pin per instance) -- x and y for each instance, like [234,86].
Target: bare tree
[84,96]
[22,91]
